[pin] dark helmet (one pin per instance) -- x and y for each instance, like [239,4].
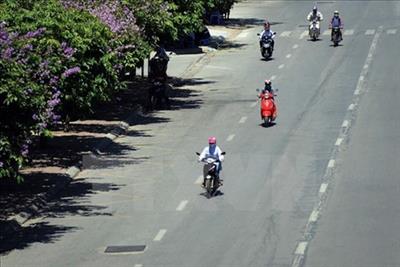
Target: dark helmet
[314,10]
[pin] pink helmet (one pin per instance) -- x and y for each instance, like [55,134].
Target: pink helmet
[212,140]
[267,82]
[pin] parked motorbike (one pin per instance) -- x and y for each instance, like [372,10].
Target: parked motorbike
[268,110]
[266,46]
[158,94]
[211,178]
[337,36]
[314,30]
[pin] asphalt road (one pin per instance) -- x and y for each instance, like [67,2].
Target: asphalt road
[327,132]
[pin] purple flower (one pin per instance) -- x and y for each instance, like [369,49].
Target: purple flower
[71,71]
[1,164]
[35,117]
[7,53]
[68,51]
[36,33]
[24,150]
[54,81]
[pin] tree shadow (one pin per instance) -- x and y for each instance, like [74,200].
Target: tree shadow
[247,22]
[17,199]
[231,45]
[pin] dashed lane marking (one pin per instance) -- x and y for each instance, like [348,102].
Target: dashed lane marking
[323,188]
[391,31]
[348,32]
[182,205]
[339,141]
[288,56]
[295,46]
[331,163]
[303,34]
[345,124]
[243,120]
[314,216]
[230,137]
[285,34]
[138,265]
[326,32]
[351,107]
[281,66]
[160,235]
[273,77]
[370,32]
[301,248]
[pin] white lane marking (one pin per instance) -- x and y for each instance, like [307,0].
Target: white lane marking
[295,46]
[138,265]
[345,124]
[323,188]
[254,104]
[273,77]
[301,248]
[391,31]
[288,56]
[243,120]
[339,141]
[218,67]
[348,32]
[351,107]
[326,32]
[285,34]
[230,137]
[242,35]
[361,78]
[281,66]
[199,180]
[314,216]
[365,66]
[331,163]
[370,32]
[357,92]
[182,205]
[160,235]
[303,34]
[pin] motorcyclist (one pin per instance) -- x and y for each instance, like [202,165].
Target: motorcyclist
[267,33]
[336,22]
[213,151]
[267,87]
[315,15]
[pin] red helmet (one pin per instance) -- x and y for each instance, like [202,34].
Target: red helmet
[212,140]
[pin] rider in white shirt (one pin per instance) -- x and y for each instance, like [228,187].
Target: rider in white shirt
[213,151]
[315,15]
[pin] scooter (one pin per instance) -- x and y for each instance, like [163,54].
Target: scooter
[314,30]
[211,178]
[266,48]
[337,36]
[268,110]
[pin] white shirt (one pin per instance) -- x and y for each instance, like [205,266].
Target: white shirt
[216,153]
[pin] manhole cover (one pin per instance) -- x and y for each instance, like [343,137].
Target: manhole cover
[124,249]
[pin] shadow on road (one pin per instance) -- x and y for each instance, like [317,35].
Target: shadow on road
[17,199]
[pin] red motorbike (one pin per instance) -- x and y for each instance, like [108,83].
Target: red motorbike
[268,110]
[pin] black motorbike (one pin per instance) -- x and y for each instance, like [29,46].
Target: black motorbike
[336,36]
[211,179]
[158,94]
[266,46]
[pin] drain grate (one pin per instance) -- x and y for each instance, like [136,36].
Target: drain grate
[125,249]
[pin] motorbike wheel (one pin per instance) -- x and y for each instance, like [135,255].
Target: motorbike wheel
[208,188]
[267,121]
